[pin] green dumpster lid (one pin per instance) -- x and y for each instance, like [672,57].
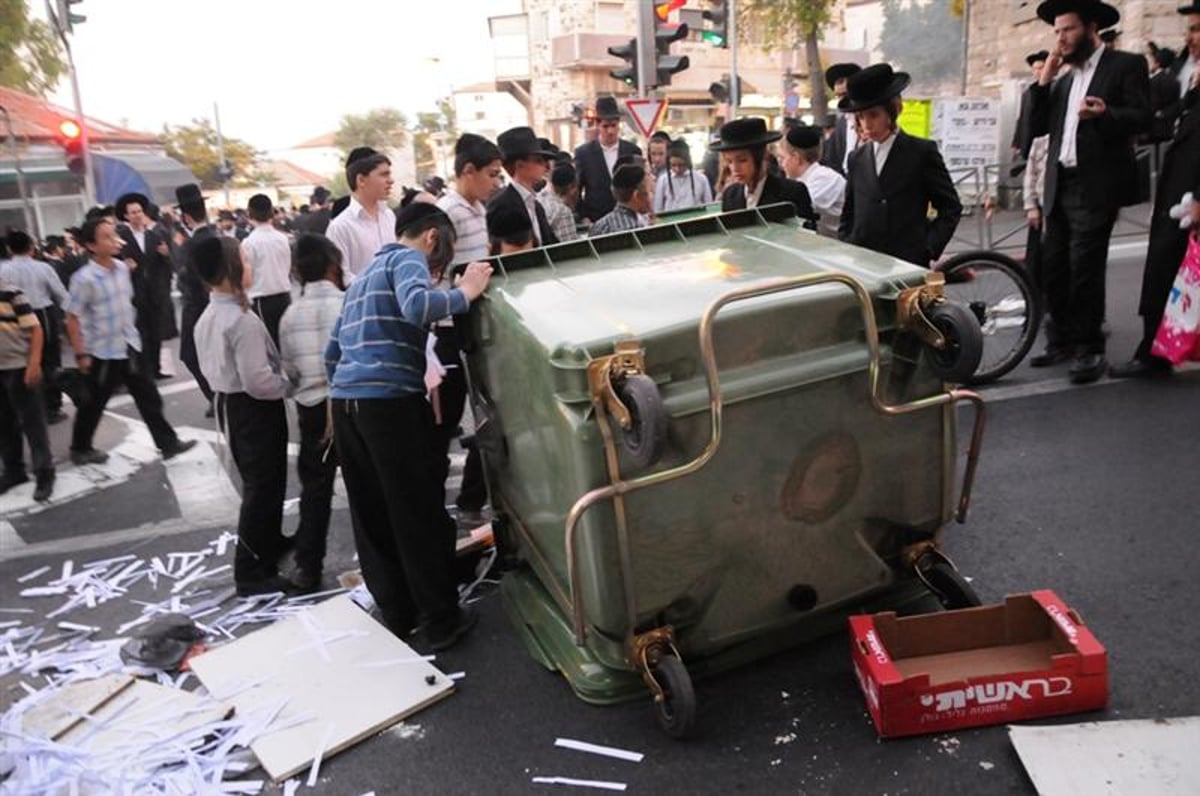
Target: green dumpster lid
[634,284]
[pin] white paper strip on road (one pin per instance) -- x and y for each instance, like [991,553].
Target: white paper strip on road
[1147,757]
[579,783]
[596,749]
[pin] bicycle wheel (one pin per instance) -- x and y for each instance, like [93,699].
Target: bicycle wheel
[996,290]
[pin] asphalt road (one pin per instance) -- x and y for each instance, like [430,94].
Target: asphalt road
[1082,490]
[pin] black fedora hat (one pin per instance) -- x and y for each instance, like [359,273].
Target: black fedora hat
[125,200]
[1194,8]
[607,109]
[1104,15]
[744,134]
[190,200]
[875,85]
[1110,35]
[521,142]
[1040,55]
[838,71]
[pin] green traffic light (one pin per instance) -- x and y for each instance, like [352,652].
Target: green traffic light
[712,37]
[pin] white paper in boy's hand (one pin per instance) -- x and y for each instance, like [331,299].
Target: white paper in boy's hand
[434,370]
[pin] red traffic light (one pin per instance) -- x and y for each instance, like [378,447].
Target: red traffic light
[70,129]
[663,10]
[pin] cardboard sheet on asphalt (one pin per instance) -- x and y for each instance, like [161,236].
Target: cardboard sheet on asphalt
[1148,757]
[336,676]
[61,711]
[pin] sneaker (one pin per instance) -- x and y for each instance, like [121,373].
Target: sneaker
[89,456]
[180,446]
[45,486]
[8,481]
[446,634]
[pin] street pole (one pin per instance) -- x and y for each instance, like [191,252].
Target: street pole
[735,87]
[16,153]
[647,53]
[965,42]
[221,167]
[89,178]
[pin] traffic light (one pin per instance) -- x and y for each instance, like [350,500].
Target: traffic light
[67,20]
[70,138]
[666,34]
[722,91]
[629,73]
[717,31]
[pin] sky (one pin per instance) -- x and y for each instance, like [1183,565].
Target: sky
[282,72]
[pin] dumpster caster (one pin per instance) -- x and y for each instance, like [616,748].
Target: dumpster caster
[675,707]
[646,436]
[958,359]
[940,576]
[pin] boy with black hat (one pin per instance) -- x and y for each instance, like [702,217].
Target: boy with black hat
[680,186]
[384,427]
[800,157]
[844,139]
[193,215]
[632,190]
[743,149]
[267,256]
[526,161]
[893,178]
[242,365]
[596,161]
[365,226]
[1093,116]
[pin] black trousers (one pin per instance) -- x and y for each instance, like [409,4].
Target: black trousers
[452,396]
[151,355]
[1033,258]
[257,432]
[317,467]
[1164,254]
[187,346]
[21,411]
[1075,264]
[270,309]
[100,381]
[51,319]
[404,536]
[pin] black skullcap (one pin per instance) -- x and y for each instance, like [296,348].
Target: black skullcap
[804,137]
[209,259]
[563,175]
[628,176]
[507,221]
[415,212]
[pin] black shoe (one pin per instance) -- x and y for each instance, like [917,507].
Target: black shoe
[178,447]
[306,581]
[1053,355]
[57,416]
[162,376]
[1087,368]
[45,486]
[446,634]
[271,585]
[89,456]
[8,481]
[1138,368]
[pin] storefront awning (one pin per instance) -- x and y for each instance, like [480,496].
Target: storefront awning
[157,176]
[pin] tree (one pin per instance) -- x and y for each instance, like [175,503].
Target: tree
[433,132]
[908,30]
[31,57]
[381,128]
[782,24]
[195,146]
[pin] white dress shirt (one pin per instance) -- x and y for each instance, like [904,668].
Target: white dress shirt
[882,150]
[851,140]
[140,236]
[1185,75]
[611,153]
[678,192]
[530,200]
[359,236]
[267,251]
[1081,78]
[827,189]
[753,196]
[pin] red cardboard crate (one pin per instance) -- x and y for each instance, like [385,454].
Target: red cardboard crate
[1029,656]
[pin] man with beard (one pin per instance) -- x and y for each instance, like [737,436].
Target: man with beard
[1092,116]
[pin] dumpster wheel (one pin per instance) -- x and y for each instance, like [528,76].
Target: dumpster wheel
[646,436]
[958,360]
[943,579]
[675,707]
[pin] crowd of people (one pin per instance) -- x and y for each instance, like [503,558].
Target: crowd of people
[345,308]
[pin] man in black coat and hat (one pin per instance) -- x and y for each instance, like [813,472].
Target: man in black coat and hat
[844,139]
[150,271]
[596,161]
[194,293]
[527,162]
[743,147]
[893,177]
[1092,115]
[1180,173]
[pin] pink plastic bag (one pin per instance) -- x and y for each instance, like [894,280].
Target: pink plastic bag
[1178,337]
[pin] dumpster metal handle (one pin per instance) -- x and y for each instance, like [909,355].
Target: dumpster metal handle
[711,376]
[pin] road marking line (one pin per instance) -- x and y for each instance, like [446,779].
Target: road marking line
[91,541]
